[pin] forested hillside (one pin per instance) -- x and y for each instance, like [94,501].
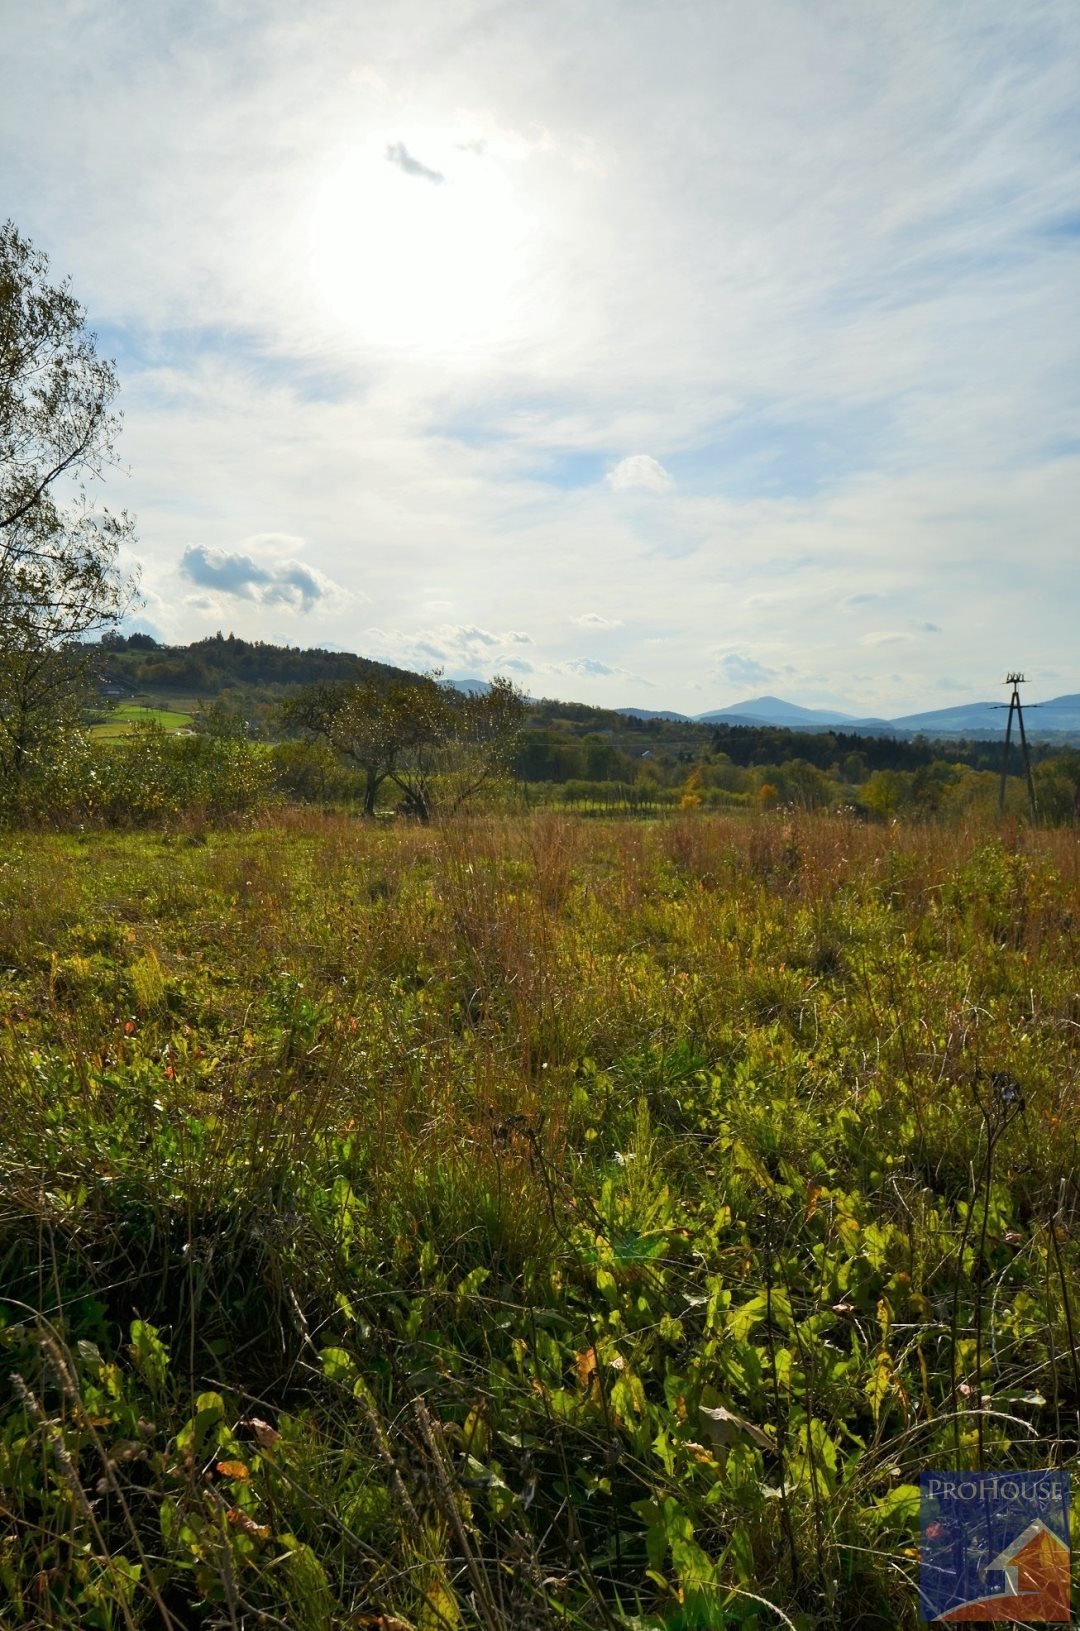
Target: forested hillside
[222,662]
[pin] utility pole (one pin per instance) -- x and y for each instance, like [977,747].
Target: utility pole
[1016,680]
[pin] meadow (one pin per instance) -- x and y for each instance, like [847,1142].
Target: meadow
[121,720]
[526,1222]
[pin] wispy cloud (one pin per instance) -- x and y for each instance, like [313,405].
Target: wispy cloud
[399,154]
[451,646]
[742,670]
[593,668]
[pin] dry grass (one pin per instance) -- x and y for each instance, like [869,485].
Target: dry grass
[473,1161]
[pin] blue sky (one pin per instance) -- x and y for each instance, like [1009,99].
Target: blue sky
[653,353]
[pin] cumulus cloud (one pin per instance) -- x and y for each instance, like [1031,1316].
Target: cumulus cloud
[399,154]
[742,670]
[270,581]
[639,470]
[594,620]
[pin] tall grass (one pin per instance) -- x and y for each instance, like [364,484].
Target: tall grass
[383,1211]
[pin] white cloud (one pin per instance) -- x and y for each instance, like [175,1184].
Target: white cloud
[452,646]
[742,670]
[639,470]
[593,668]
[830,275]
[594,620]
[258,573]
[588,665]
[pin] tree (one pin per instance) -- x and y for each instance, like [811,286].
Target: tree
[357,722]
[423,737]
[59,578]
[484,738]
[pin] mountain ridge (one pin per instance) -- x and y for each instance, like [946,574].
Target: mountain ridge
[1056,716]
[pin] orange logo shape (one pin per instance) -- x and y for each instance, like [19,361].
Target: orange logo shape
[1036,1570]
[995,1546]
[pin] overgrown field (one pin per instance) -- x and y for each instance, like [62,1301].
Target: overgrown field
[526,1224]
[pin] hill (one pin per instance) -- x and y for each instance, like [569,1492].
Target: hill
[775,711]
[261,671]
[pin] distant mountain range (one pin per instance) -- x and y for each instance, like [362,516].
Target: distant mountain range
[1058,717]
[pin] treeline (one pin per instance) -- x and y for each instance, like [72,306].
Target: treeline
[877,777]
[449,752]
[858,755]
[137,662]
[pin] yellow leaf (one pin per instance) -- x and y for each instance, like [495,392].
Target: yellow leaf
[232,1469]
[586,1364]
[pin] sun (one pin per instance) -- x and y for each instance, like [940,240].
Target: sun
[417,243]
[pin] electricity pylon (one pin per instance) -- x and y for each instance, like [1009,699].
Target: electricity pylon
[1016,680]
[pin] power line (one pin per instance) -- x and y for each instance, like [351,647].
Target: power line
[1016,680]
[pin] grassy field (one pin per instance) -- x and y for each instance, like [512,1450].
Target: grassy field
[125,715]
[529,1223]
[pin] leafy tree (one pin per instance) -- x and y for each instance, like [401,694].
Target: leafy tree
[59,582]
[357,721]
[423,737]
[220,720]
[884,792]
[484,735]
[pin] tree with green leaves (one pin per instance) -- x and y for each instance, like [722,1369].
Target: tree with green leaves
[356,721]
[60,580]
[435,746]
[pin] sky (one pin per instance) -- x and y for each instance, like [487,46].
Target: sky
[652,352]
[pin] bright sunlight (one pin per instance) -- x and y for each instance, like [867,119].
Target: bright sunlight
[417,242]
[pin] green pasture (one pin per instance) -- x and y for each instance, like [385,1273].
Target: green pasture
[121,719]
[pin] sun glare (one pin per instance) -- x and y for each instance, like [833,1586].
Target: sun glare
[416,242]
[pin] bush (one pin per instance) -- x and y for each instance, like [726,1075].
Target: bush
[146,778]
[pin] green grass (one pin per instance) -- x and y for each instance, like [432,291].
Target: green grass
[125,716]
[384,1208]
